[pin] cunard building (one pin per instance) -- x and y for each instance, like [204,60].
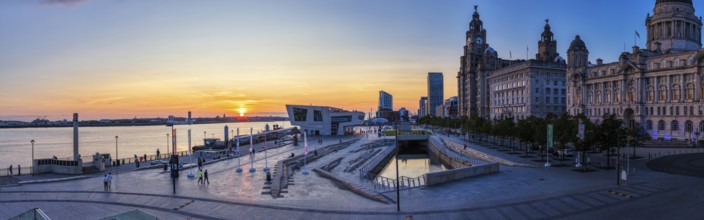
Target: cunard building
[659,87]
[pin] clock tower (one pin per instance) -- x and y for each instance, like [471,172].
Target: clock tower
[468,76]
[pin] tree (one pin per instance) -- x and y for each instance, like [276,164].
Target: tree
[637,135]
[565,132]
[525,130]
[607,135]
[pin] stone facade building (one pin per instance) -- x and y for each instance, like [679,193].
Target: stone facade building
[489,86]
[659,87]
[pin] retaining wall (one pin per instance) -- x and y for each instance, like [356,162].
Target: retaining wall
[440,177]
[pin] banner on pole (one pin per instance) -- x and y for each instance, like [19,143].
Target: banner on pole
[305,144]
[581,131]
[550,136]
[173,141]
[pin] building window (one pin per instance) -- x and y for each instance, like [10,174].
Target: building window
[688,126]
[676,92]
[675,126]
[608,96]
[547,100]
[690,92]
[317,115]
[300,114]
[651,94]
[661,125]
[649,125]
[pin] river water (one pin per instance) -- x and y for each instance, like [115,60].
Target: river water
[15,146]
[412,166]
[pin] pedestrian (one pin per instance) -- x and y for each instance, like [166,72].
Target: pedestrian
[105,182]
[157,154]
[145,157]
[109,181]
[200,176]
[206,178]
[19,170]
[200,163]
[465,146]
[10,170]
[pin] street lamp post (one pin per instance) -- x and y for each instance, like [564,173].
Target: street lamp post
[118,158]
[32,166]
[398,194]
[167,144]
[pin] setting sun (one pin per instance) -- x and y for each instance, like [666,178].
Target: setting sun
[242,111]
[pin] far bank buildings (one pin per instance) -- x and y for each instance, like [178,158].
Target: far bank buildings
[660,87]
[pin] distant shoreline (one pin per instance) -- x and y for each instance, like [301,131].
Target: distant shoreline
[98,124]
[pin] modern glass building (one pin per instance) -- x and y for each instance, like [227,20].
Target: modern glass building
[323,120]
[386,103]
[435,92]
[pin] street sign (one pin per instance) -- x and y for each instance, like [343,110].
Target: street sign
[550,136]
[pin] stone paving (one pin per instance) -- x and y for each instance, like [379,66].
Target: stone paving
[515,193]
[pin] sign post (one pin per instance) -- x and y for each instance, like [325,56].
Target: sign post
[580,134]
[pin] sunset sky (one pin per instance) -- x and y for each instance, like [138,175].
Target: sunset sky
[154,58]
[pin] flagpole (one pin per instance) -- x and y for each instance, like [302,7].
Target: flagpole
[190,170]
[237,141]
[266,163]
[305,154]
[251,151]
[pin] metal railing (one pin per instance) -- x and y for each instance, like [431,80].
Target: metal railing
[375,161]
[24,171]
[385,184]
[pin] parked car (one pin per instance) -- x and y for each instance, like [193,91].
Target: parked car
[566,152]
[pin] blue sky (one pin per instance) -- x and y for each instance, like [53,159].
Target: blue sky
[126,58]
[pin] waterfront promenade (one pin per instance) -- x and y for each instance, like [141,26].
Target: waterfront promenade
[515,193]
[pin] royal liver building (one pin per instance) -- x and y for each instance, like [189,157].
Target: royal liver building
[492,87]
[659,87]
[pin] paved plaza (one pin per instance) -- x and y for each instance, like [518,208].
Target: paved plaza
[532,192]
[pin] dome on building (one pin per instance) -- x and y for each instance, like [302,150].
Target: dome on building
[577,42]
[490,51]
[559,59]
[689,2]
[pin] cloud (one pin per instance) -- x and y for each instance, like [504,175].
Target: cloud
[62,2]
[111,100]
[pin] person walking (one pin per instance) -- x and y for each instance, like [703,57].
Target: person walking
[200,162]
[19,170]
[109,181]
[105,182]
[157,154]
[206,178]
[10,170]
[145,157]
[200,176]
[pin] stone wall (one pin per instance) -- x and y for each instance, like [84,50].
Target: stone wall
[440,177]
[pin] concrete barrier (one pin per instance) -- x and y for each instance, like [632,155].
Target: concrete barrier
[440,177]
